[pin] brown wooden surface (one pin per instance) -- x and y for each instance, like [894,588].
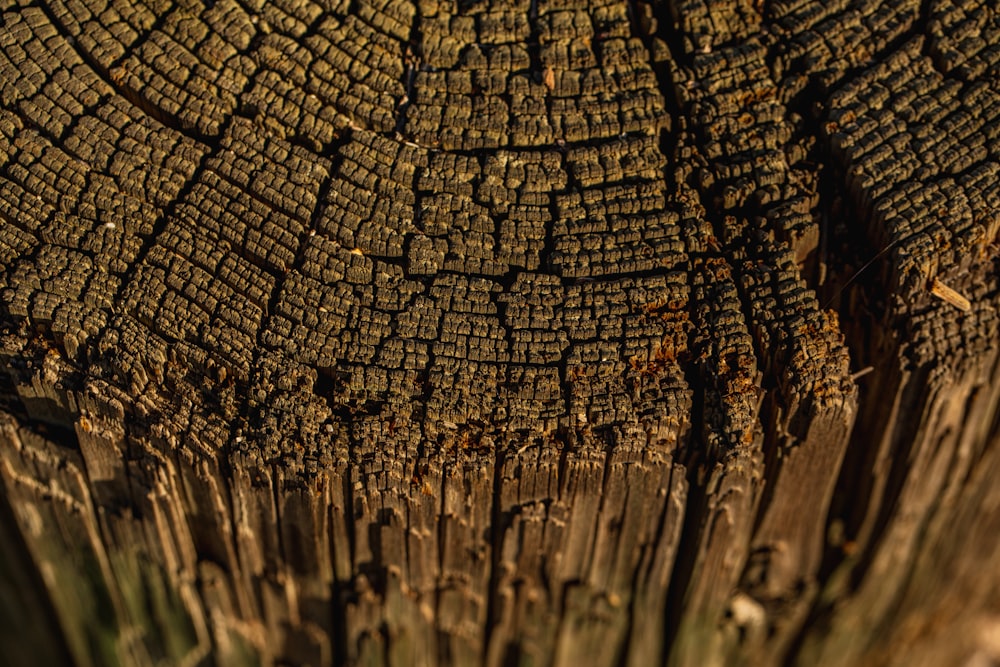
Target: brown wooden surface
[544,332]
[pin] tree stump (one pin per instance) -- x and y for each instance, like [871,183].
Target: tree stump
[541,332]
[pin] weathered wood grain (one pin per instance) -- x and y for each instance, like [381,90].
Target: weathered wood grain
[535,332]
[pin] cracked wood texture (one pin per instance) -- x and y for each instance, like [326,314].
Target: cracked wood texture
[499,332]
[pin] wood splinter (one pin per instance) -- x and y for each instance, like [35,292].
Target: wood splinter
[945,293]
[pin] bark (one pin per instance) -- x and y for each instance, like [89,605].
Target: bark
[532,332]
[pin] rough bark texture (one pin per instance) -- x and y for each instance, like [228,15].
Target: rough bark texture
[491,332]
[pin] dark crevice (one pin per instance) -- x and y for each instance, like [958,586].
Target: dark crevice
[689,453]
[342,590]
[688,546]
[161,224]
[135,97]
[851,278]
[498,528]
[412,59]
[802,105]
[309,230]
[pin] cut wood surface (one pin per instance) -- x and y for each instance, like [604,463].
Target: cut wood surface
[499,332]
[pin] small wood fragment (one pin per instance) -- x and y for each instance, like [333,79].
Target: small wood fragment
[945,293]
